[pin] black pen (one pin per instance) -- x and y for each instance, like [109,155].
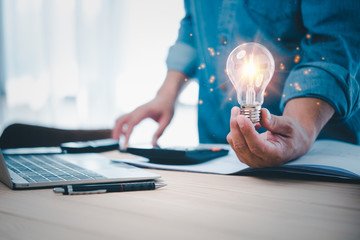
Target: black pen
[104,188]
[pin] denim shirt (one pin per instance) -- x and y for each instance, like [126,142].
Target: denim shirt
[315,44]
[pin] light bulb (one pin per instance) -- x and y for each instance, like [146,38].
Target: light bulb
[250,67]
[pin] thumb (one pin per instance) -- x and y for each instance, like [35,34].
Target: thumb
[275,124]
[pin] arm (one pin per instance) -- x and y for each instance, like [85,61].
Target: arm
[181,63]
[312,114]
[330,57]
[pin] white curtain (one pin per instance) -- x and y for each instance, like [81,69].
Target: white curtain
[81,63]
[2,57]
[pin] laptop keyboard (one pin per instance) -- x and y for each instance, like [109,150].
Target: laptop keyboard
[47,168]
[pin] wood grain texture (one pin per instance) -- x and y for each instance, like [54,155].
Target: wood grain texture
[191,206]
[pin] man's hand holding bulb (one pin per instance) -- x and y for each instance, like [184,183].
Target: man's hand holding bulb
[289,136]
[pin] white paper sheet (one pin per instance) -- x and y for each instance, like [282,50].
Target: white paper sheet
[326,156]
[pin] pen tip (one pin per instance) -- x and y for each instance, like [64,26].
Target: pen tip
[159,185]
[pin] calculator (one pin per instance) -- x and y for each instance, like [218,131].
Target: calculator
[178,156]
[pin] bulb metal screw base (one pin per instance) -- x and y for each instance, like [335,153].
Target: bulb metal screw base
[251,112]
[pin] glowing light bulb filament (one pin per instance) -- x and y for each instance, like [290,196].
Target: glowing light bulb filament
[250,96]
[250,72]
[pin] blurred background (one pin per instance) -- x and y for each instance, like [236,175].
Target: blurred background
[79,64]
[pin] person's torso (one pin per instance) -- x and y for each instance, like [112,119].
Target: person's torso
[220,26]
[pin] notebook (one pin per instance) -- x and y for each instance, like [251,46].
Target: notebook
[326,158]
[22,171]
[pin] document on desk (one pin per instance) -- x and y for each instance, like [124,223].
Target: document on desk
[326,158]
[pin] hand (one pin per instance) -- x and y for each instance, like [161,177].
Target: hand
[160,110]
[285,140]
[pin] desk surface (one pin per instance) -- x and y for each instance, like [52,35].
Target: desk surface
[191,206]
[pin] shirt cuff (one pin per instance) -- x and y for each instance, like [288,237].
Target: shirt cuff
[326,81]
[182,57]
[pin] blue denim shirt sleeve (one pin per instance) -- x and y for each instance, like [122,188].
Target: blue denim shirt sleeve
[182,55]
[329,66]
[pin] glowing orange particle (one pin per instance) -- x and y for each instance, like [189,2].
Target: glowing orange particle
[211,89]
[186,79]
[230,98]
[282,67]
[201,101]
[297,59]
[307,71]
[297,87]
[279,39]
[308,36]
[191,34]
[212,79]
[211,51]
[202,66]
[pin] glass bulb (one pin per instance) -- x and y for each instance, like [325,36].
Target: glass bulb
[250,67]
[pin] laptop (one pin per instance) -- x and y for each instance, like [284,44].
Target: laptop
[24,171]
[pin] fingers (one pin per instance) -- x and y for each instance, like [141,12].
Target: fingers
[276,124]
[117,131]
[234,132]
[250,147]
[237,139]
[127,132]
[124,126]
[272,148]
[163,123]
[255,143]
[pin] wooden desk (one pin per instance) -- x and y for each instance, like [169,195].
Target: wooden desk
[191,206]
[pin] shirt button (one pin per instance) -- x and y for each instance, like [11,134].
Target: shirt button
[223,40]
